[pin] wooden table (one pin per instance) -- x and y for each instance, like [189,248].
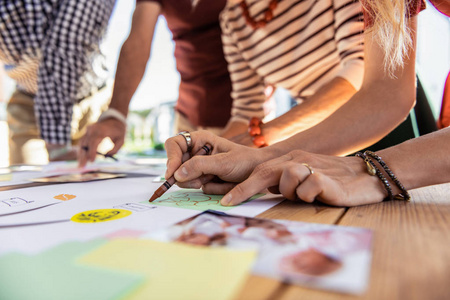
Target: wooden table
[411,247]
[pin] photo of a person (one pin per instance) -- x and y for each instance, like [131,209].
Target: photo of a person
[317,255]
[309,262]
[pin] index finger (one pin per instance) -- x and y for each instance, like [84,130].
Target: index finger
[88,147]
[255,183]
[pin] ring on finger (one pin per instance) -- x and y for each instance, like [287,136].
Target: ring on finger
[187,137]
[311,171]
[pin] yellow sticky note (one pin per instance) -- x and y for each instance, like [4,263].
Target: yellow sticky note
[100,215]
[176,271]
[6,177]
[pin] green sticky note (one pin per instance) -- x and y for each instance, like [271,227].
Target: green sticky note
[193,199]
[55,274]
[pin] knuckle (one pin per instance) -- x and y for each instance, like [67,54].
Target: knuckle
[264,171]
[291,170]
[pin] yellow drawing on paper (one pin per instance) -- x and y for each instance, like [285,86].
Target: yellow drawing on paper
[100,215]
[64,197]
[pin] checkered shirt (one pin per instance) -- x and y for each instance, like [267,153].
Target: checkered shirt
[51,49]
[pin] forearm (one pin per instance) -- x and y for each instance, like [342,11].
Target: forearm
[130,70]
[308,114]
[362,121]
[422,161]
[134,55]
[376,109]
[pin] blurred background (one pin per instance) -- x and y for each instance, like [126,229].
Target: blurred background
[151,111]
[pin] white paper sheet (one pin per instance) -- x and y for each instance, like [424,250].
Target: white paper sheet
[59,168]
[14,205]
[40,229]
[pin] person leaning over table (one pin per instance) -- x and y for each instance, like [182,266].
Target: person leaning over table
[341,181]
[204,100]
[51,49]
[314,49]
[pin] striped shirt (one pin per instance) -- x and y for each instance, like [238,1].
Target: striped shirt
[51,49]
[304,46]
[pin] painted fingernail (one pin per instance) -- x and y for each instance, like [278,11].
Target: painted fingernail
[226,200]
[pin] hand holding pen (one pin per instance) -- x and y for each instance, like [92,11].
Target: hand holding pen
[205,150]
[229,162]
[86,148]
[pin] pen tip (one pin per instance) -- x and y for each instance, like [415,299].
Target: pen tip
[153,198]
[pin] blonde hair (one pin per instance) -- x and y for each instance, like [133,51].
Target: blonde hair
[390,30]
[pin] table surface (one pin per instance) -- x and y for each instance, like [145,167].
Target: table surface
[411,247]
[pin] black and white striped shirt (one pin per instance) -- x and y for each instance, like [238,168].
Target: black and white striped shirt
[51,49]
[305,45]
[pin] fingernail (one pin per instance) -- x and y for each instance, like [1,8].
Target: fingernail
[181,173]
[226,200]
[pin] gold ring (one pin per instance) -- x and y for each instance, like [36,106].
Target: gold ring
[187,137]
[311,171]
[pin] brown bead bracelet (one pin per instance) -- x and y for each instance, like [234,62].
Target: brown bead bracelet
[404,195]
[373,170]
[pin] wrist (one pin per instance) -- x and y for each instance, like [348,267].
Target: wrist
[57,150]
[376,166]
[112,113]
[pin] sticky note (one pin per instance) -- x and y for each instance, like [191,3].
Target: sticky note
[174,270]
[100,215]
[54,274]
[193,199]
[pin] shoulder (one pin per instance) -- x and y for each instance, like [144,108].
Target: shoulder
[442,5]
[230,13]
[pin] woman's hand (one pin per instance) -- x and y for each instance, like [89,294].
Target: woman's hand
[339,181]
[229,162]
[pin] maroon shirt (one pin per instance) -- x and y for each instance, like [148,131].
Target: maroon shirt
[204,94]
[415,7]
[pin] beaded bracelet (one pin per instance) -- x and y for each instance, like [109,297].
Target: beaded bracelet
[404,195]
[254,129]
[373,170]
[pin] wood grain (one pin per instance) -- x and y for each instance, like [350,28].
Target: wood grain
[411,247]
[305,212]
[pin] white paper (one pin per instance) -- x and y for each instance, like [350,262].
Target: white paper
[60,168]
[40,229]
[14,205]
